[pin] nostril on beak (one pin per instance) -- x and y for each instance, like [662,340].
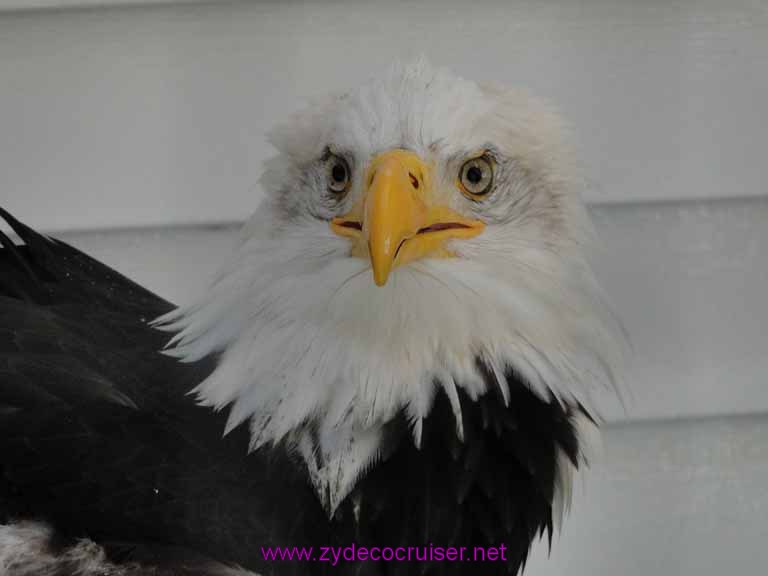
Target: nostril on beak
[414,180]
[351,224]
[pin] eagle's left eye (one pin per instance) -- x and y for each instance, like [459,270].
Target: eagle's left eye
[337,171]
[476,177]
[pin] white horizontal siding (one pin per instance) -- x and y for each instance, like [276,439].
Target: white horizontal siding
[19,5]
[688,279]
[669,499]
[156,114]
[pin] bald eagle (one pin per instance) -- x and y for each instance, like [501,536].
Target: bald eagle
[395,368]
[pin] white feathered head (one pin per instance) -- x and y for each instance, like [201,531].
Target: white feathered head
[409,228]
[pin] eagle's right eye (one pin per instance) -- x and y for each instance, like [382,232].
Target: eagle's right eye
[476,177]
[338,174]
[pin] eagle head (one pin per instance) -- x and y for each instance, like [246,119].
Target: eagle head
[416,234]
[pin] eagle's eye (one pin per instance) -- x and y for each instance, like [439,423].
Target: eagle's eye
[337,170]
[476,177]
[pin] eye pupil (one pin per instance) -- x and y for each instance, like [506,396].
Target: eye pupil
[339,173]
[474,174]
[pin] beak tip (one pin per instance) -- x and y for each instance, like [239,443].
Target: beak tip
[381,272]
[380,278]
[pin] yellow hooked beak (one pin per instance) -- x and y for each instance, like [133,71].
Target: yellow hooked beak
[399,220]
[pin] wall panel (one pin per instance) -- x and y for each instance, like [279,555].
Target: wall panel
[156,114]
